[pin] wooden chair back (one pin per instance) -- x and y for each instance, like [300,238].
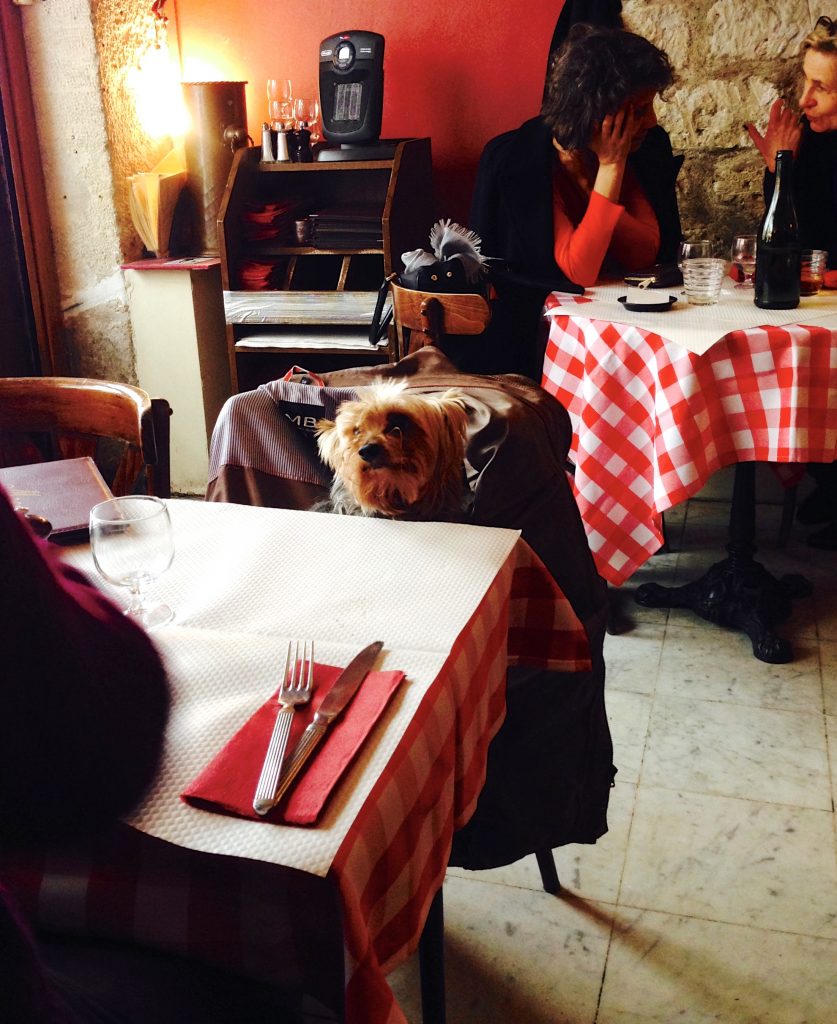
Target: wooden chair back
[76,414]
[430,316]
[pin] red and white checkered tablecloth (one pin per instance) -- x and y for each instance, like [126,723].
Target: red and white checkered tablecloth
[262,918]
[652,420]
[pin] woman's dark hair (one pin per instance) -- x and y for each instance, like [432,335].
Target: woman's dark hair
[594,73]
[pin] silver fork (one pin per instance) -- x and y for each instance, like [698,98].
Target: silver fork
[297,684]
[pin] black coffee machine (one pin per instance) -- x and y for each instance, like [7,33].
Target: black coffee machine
[352,96]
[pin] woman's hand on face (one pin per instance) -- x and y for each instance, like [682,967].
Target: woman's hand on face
[612,142]
[783,132]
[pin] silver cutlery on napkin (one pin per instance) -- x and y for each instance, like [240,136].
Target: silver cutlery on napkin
[296,688]
[334,702]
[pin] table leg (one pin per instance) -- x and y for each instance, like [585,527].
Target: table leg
[432,963]
[738,591]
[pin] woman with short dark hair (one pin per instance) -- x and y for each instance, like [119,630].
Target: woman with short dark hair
[599,108]
[585,189]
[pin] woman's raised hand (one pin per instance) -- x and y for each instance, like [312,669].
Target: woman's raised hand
[612,142]
[783,132]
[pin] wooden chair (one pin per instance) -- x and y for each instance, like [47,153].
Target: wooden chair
[70,417]
[434,315]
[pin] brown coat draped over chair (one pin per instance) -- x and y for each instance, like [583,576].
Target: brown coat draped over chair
[550,766]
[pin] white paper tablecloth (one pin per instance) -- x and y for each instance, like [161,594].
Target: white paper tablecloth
[278,574]
[696,328]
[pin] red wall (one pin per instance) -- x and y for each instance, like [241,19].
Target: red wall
[458,72]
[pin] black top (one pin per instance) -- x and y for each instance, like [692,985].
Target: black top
[511,211]
[814,176]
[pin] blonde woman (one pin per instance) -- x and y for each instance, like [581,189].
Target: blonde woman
[811,134]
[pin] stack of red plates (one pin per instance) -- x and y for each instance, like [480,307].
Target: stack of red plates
[260,275]
[262,221]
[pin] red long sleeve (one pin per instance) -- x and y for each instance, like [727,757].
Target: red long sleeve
[585,235]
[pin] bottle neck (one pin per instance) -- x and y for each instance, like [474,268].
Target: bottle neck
[784,162]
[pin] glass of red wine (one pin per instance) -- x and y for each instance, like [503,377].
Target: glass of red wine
[743,255]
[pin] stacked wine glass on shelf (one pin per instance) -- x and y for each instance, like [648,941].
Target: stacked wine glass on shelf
[292,125]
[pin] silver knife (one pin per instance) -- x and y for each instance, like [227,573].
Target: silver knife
[340,694]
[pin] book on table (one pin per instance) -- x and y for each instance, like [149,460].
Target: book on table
[62,492]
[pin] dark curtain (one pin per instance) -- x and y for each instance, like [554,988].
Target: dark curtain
[18,348]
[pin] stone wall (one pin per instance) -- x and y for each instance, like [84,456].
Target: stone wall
[732,60]
[79,54]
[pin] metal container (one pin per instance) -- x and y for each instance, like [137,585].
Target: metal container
[218,115]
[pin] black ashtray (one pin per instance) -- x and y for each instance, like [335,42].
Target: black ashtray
[649,307]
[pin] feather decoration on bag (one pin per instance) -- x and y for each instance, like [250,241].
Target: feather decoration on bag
[456,264]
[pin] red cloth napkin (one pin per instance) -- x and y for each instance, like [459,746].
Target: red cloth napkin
[228,783]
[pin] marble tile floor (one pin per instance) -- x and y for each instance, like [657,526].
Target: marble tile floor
[713,897]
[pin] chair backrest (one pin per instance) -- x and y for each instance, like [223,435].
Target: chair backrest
[434,315]
[77,413]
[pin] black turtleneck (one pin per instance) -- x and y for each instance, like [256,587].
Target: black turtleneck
[814,191]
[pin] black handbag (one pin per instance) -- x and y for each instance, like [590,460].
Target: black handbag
[455,266]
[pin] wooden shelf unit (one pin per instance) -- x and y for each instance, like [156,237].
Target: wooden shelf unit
[320,314]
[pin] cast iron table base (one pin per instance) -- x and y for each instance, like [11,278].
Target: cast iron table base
[738,592]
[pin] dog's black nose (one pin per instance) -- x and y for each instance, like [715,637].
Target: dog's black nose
[371,453]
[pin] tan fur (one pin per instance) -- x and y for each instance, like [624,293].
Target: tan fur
[397,455]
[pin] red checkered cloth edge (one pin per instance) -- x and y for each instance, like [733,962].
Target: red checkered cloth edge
[652,421]
[544,631]
[555,299]
[245,914]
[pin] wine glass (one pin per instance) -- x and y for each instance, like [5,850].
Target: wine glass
[306,111]
[693,249]
[132,543]
[743,253]
[280,103]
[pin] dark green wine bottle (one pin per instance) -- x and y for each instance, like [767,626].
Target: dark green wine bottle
[778,247]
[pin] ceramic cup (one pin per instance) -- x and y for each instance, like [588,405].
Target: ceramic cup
[812,271]
[702,279]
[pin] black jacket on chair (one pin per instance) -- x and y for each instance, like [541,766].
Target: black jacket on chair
[511,211]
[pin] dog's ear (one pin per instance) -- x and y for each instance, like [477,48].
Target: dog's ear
[328,442]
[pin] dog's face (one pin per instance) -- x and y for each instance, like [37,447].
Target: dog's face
[397,453]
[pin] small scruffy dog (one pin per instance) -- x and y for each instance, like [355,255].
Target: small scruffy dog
[397,455]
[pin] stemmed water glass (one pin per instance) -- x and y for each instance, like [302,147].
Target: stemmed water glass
[306,112]
[693,249]
[743,254]
[280,109]
[132,544]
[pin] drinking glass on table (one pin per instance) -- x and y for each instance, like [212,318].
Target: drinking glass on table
[743,255]
[132,544]
[693,249]
[812,271]
[703,279]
